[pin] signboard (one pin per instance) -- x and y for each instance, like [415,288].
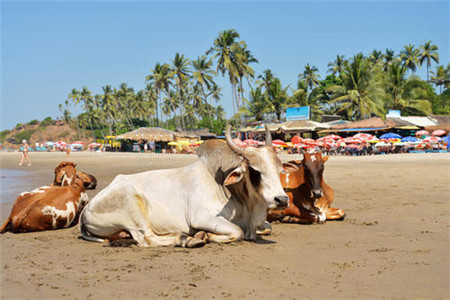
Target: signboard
[393,113]
[297,113]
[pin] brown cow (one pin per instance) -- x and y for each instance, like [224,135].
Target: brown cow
[45,208]
[65,174]
[309,196]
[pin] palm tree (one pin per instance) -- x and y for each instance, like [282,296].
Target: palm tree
[160,76]
[74,95]
[428,52]
[243,58]
[203,77]
[409,56]
[257,106]
[401,94]
[389,59]
[310,76]
[224,51]
[439,77]
[375,57]
[337,66]
[362,92]
[279,95]
[87,99]
[109,106]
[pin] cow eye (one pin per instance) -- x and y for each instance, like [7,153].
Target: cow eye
[255,176]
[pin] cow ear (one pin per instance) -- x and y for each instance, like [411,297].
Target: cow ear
[325,158]
[234,177]
[289,168]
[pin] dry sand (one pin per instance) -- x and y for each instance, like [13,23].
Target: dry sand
[394,243]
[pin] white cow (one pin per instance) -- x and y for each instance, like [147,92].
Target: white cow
[223,197]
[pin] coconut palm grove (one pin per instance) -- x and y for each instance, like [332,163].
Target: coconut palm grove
[183,93]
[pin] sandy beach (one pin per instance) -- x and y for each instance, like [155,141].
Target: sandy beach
[394,243]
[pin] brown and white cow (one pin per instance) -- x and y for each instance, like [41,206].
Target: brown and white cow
[65,174]
[47,207]
[309,196]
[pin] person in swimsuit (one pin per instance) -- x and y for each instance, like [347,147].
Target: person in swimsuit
[25,153]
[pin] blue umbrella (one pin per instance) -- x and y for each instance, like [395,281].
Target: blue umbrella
[445,139]
[410,139]
[391,135]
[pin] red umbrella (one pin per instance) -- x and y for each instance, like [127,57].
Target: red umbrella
[363,136]
[78,142]
[438,132]
[353,146]
[432,139]
[252,142]
[308,141]
[332,137]
[296,140]
[279,143]
[422,132]
[239,143]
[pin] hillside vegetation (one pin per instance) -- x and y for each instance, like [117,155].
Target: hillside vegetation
[40,132]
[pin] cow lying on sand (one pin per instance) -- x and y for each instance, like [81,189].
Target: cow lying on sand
[223,197]
[45,208]
[309,196]
[65,174]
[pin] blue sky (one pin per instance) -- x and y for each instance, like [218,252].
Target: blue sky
[48,48]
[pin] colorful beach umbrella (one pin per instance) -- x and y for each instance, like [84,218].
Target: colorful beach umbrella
[390,135]
[239,142]
[422,132]
[409,139]
[279,143]
[438,132]
[332,137]
[434,139]
[296,139]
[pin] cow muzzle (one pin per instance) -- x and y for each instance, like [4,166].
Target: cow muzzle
[282,201]
[316,193]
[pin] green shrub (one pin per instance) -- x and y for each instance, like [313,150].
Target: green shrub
[33,122]
[24,135]
[47,121]
[19,125]
[3,134]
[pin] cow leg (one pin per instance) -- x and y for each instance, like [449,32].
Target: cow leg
[220,230]
[335,214]
[264,229]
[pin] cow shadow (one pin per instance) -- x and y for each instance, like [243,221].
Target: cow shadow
[262,241]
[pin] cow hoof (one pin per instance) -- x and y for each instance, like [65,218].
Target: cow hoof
[195,243]
[201,235]
[264,229]
[122,243]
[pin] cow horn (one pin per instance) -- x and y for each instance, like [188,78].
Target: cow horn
[268,137]
[230,142]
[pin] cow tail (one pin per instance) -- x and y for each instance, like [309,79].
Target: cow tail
[85,234]
[7,226]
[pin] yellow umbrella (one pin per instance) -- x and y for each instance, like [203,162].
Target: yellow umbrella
[183,143]
[173,144]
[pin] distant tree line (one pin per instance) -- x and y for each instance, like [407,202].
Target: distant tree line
[184,93]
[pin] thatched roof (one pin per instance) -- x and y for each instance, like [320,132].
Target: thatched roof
[369,123]
[400,123]
[154,134]
[304,125]
[442,126]
[291,126]
[191,133]
[441,119]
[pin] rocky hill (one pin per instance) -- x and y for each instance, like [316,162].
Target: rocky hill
[40,132]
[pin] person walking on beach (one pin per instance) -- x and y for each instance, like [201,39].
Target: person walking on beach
[25,153]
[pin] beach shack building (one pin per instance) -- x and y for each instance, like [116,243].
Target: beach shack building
[373,126]
[156,139]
